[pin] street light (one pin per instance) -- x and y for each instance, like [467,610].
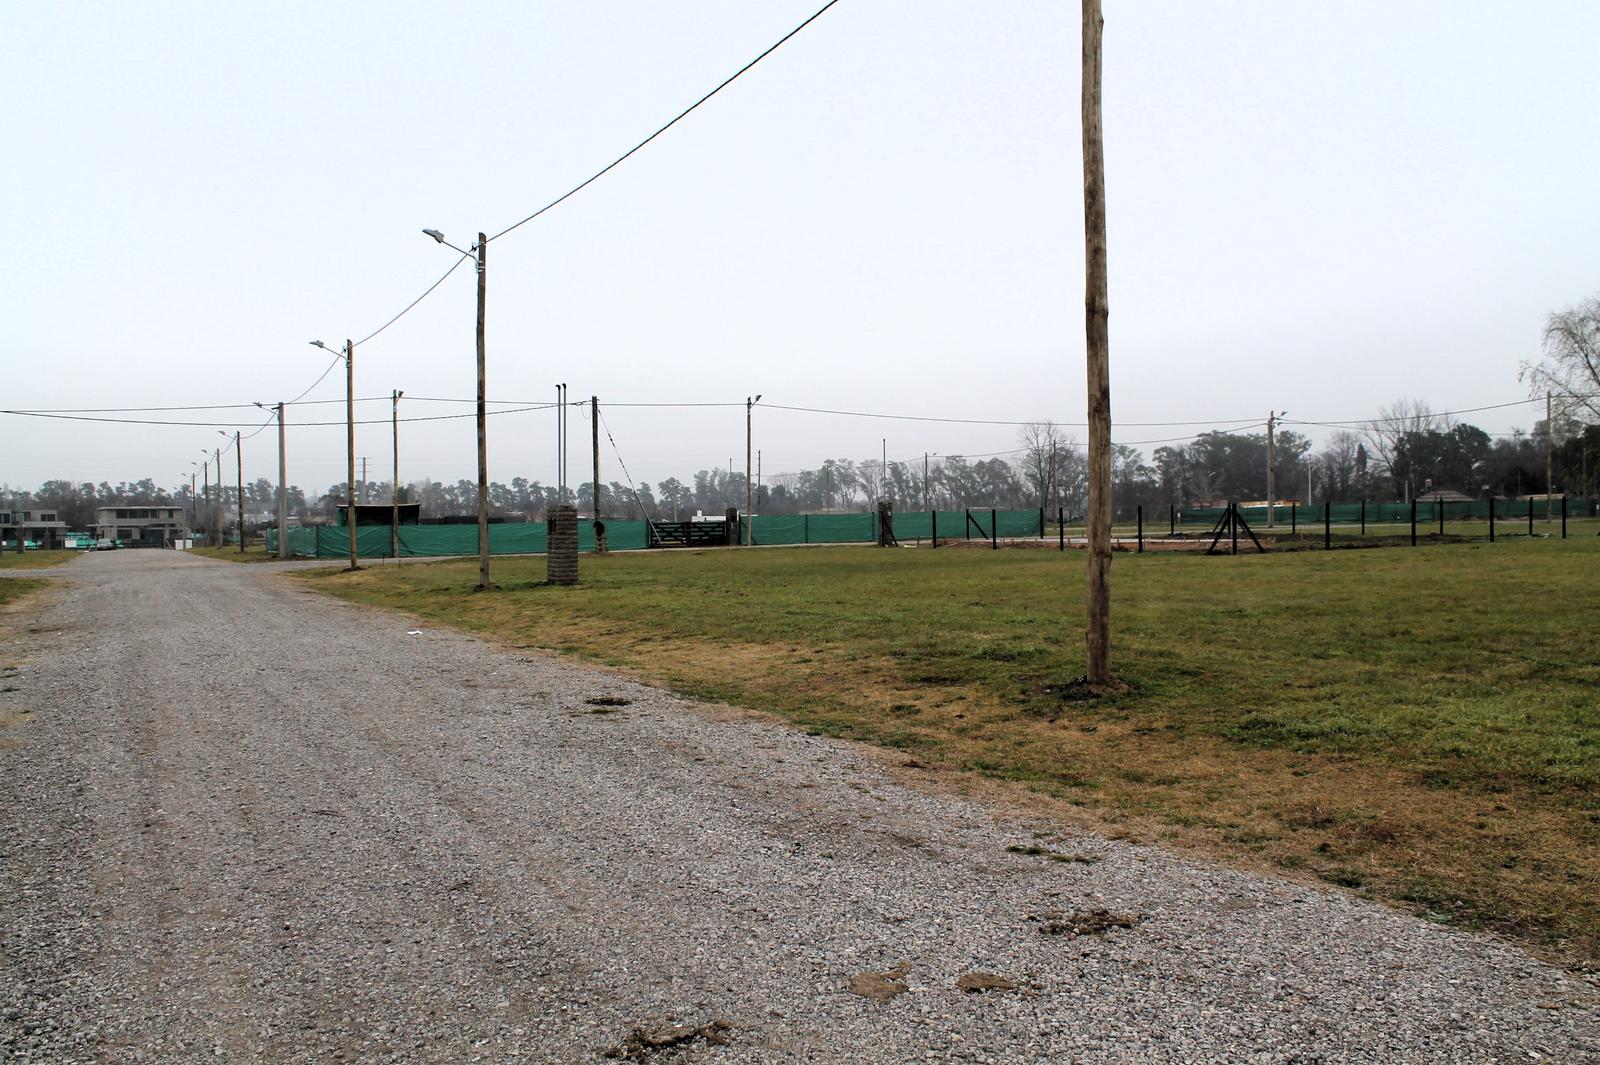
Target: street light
[283,486]
[349,357]
[749,516]
[238,458]
[480,249]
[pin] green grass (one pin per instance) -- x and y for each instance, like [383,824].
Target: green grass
[12,589]
[1378,718]
[35,559]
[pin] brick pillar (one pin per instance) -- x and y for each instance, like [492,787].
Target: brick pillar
[561,551]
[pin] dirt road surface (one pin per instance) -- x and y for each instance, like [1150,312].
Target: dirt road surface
[244,823]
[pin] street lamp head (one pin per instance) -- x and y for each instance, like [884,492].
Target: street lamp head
[399,393]
[320,344]
[435,234]
[758,397]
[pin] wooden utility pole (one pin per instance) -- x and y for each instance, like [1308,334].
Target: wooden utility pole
[238,456]
[749,486]
[1096,305]
[594,416]
[203,510]
[394,483]
[363,478]
[483,426]
[283,493]
[216,506]
[194,504]
[1272,465]
[350,445]
[925,481]
[1549,458]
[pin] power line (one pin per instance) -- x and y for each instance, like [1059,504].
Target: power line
[971,421]
[597,175]
[412,304]
[242,425]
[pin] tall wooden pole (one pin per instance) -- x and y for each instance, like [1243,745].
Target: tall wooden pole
[749,525]
[283,493]
[1272,465]
[238,455]
[483,426]
[1549,459]
[394,482]
[203,511]
[216,504]
[594,416]
[350,445]
[1096,305]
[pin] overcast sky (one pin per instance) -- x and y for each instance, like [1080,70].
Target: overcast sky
[1318,207]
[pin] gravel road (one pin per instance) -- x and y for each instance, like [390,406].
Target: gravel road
[246,823]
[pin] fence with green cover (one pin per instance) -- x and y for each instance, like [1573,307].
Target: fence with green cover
[528,538]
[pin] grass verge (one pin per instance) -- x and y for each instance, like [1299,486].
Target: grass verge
[36,559]
[1417,725]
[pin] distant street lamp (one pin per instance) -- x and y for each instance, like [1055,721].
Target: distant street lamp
[348,354]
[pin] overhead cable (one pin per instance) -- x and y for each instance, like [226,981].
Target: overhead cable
[597,175]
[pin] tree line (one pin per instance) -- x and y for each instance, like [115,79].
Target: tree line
[1404,453]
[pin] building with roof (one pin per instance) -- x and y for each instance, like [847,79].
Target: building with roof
[37,527]
[158,526]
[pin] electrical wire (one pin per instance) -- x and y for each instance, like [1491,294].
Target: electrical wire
[966,421]
[413,303]
[631,486]
[597,175]
[240,426]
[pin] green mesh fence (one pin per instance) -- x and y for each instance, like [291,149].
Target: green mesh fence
[1385,513]
[528,538]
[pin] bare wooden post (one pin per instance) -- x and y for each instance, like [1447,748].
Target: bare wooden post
[350,445]
[483,425]
[1097,337]
[238,455]
[283,494]
[394,483]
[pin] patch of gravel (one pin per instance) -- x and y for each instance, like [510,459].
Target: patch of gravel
[246,823]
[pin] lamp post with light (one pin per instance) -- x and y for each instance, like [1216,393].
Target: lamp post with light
[478,251]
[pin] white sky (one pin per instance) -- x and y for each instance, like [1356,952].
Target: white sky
[1319,207]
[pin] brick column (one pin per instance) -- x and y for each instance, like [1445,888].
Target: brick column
[561,551]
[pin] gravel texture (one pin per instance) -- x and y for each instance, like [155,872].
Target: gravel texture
[243,822]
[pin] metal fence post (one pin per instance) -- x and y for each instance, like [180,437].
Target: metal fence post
[1140,511]
[968,513]
[1491,519]
[1363,515]
[1041,522]
[1061,529]
[1413,523]
[1327,524]
[1563,517]
[933,526]
[1440,504]
[1530,515]
[1293,518]
[1172,520]
[994,528]
[1233,528]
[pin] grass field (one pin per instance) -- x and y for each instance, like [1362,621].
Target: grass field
[1417,725]
[35,559]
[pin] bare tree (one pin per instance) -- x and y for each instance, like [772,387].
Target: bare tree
[1338,461]
[1042,461]
[1570,372]
[1385,433]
